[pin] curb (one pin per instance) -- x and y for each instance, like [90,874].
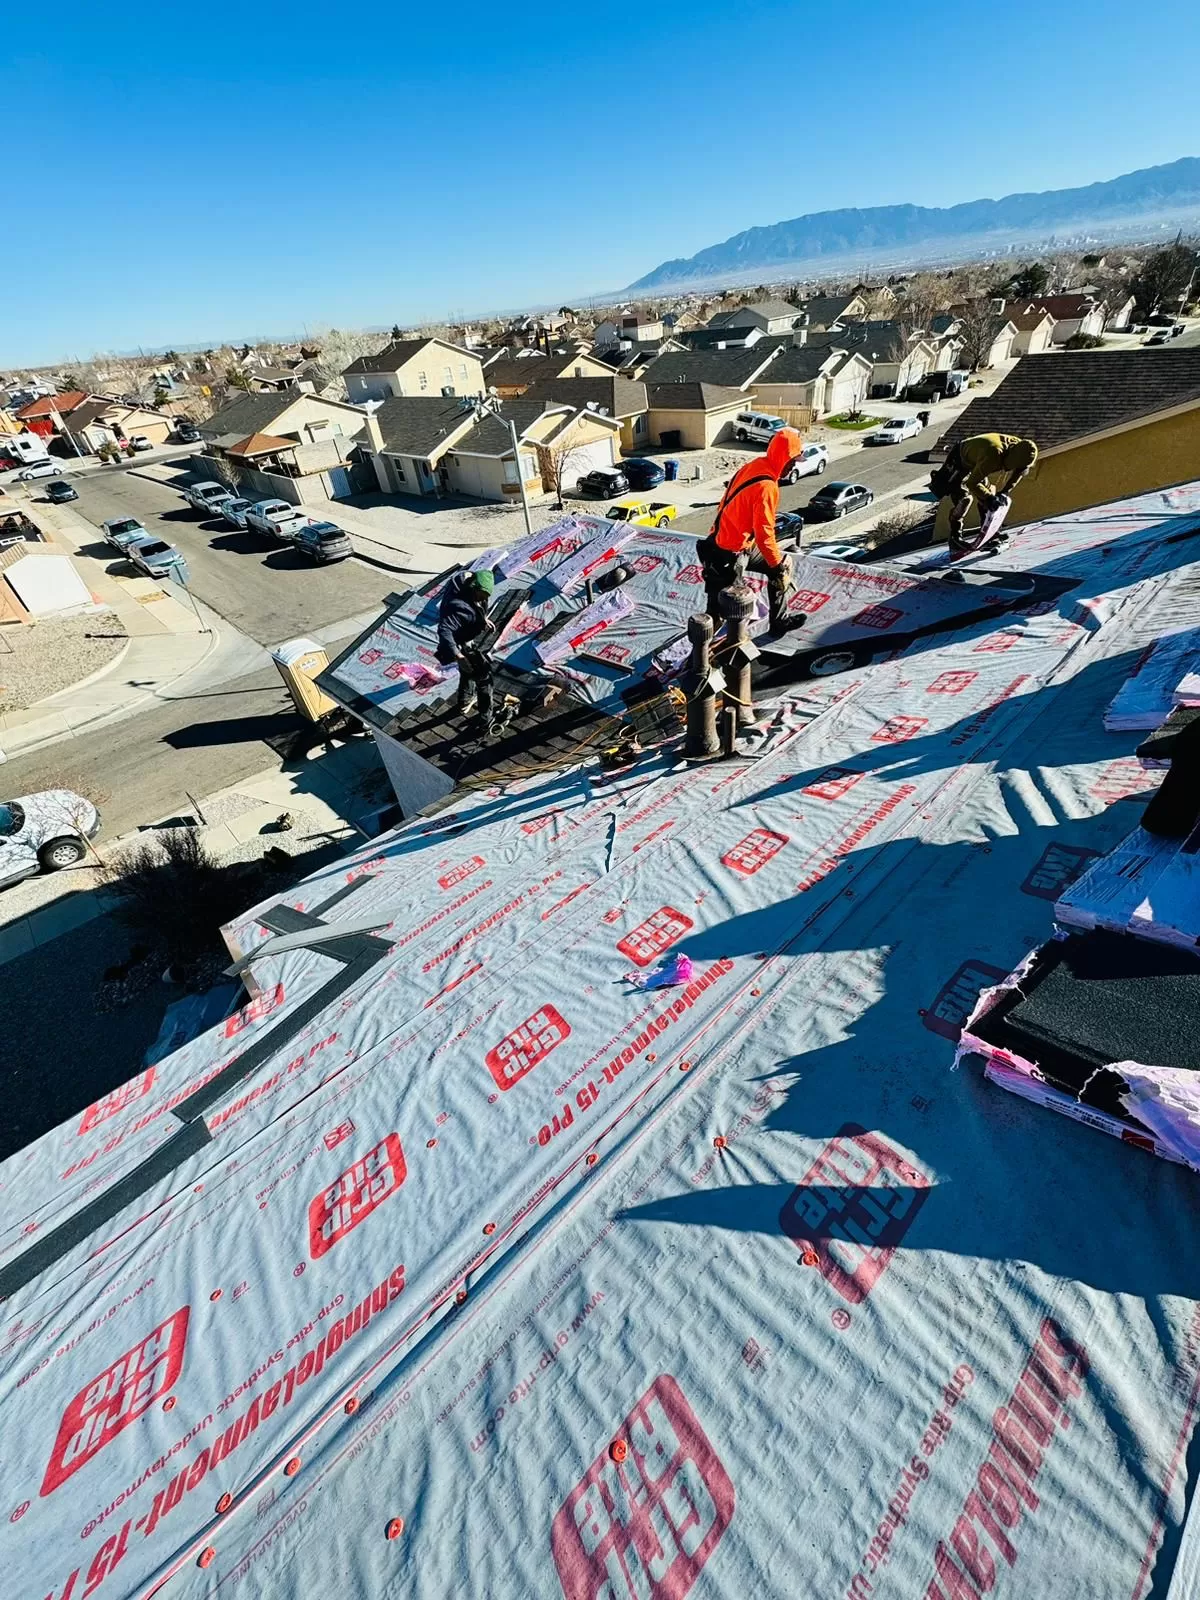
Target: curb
[105,717]
[92,677]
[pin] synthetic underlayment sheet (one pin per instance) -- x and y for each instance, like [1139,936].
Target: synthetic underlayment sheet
[821,1317]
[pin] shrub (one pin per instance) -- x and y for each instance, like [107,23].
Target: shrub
[1083,341]
[172,892]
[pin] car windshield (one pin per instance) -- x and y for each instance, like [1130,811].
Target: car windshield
[896,422]
[156,547]
[124,525]
[831,491]
[331,537]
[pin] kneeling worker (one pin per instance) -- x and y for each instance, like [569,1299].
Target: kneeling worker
[463,632]
[746,519]
[977,472]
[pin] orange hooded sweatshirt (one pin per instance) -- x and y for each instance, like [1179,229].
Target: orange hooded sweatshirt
[746,515]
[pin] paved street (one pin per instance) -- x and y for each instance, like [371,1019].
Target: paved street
[263,587]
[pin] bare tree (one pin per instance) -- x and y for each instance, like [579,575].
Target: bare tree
[923,299]
[560,460]
[978,325]
[338,349]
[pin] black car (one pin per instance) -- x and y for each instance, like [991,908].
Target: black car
[59,492]
[836,499]
[642,474]
[935,386]
[188,435]
[603,485]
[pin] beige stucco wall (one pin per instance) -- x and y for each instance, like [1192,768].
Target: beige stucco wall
[465,376]
[1032,341]
[306,409]
[699,429]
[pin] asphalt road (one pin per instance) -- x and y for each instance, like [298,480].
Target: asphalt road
[263,587]
[144,769]
[882,468]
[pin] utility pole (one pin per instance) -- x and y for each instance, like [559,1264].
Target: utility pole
[491,405]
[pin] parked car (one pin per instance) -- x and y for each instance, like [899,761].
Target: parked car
[188,435]
[202,495]
[894,431]
[646,513]
[839,550]
[157,559]
[1161,336]
[40,469]
[323,541]
[121,532]
[263,514]
[935,386]
[789,525]
[811,462]
[44,832]
[287,527]
[139,442]
[603,484]
[642,474]
[756,427]
[1160,319]
[61,491]
[234,510]
[836,499]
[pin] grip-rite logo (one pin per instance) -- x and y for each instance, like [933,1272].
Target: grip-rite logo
[117,1100]
[833,783]
[753,852]
[456,874]
[1059,866]
[651,1509]
[951,682]
[350,1199]
[956,999]
[808,601]
[650,938]
[880,617]
[521,1050]
[266,1002]
[852,1208]
[897,729]
[117,1397]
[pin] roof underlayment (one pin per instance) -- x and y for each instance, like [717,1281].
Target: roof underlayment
[458,1263]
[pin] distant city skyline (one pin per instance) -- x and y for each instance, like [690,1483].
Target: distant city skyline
[321,170]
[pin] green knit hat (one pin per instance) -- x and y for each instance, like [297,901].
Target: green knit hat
[486,579]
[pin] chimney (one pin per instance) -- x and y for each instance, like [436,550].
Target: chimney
[374,432]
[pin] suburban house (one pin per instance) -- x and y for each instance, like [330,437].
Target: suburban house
[825,310]
[631,360]
[637,327]
[613,396]
[1035,328]
[897,359]
[1072,313]
[100,421]
[721,337]
[413,366]
[692,416]
[441,445]
[535,331]
[824,378]
[50,414]
[726,369]
[1107,424]
[296,447]
[510,375]
[946,338]
[770,316]
[1120,314]
[277,380]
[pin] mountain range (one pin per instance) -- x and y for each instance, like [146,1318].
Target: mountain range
[1152,192]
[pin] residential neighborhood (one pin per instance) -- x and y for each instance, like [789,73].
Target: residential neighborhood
[669,815]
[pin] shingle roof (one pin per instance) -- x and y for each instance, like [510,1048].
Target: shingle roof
[620,397]
[249,413]
[490,437]
[692,396]
[1026,319]
[765,308]
[419,424]
[638,353]
[823,309]
[881,341]
[92,410]
[709,338]
[393,356]
[732,368]
[524,370]
[1062,306]
[801,364]
[47,404]
[1056,399]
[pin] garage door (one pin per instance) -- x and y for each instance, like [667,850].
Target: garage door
[585,458]
[466,476]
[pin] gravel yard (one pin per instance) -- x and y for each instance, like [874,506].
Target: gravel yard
[38,659]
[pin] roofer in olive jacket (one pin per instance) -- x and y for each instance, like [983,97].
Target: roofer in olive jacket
[978,471]
[745,523]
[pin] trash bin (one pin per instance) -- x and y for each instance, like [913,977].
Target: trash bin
[672,439]
[671,468]
[923,417]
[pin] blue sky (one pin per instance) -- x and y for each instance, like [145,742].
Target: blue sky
[203,172]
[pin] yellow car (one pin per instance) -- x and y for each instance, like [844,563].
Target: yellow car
[646,513]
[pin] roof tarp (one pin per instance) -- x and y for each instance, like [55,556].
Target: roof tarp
[732,1289]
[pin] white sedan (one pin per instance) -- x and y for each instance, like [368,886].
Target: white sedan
[894,431]
[40,469]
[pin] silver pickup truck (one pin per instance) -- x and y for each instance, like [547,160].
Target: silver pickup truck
[203,496]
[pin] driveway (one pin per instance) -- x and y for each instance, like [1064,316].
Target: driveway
[264,588]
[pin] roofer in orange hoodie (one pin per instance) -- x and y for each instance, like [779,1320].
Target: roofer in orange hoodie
[745,521]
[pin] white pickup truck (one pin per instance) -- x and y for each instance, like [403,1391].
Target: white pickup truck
[279,518]
[203,496]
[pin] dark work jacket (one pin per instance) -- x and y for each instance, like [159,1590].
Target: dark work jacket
[460,620]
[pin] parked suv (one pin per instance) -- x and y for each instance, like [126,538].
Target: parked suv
[935,386]
[323,542]
[810,463]
[756,427]
[44,832]
[603,485]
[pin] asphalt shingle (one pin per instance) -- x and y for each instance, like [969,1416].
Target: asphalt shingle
[725,368]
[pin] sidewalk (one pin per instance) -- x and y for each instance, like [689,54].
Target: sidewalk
[167,640]
[325,800]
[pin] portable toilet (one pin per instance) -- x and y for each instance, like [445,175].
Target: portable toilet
[299,661]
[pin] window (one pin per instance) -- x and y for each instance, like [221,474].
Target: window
[398,469]
[639,427]
[579,372]
[462,372]
[448,376]
[422,380]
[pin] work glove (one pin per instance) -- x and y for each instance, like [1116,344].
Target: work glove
[780,577]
